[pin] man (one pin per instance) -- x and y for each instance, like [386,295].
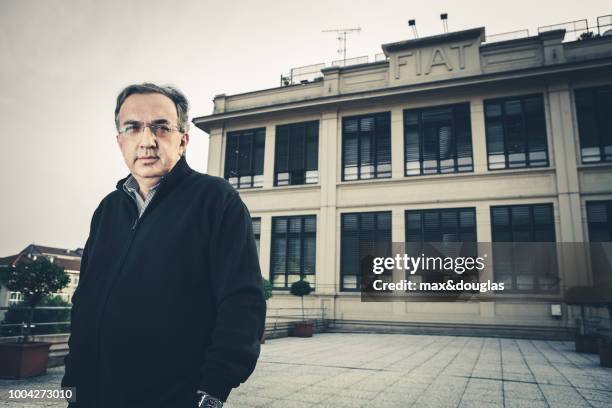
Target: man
[169,310]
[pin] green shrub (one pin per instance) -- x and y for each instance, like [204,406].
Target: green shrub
[267,289]
[18,313]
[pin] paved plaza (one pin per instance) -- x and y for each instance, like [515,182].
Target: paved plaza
[394,370]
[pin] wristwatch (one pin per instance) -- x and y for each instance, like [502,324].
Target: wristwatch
[208,401]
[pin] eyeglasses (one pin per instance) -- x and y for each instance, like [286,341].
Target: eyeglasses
[158,129]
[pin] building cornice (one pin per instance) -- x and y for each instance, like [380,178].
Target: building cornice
[206,122]
[434,39]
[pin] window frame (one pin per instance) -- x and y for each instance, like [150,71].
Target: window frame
[374,141]
[302,234]
[359,221]
[599,134]
[419,111]
[502,101]
[458,230]
[439,211]
[241,134]
[292,127]
[512,228]
[608,205]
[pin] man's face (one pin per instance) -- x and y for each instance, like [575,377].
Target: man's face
[145,154]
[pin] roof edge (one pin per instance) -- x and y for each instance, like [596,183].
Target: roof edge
[434,39]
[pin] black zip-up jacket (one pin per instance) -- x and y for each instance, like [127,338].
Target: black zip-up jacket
[167,303]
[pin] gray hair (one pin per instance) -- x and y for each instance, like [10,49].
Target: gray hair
[179,99]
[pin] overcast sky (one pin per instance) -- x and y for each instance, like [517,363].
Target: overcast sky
[62,63]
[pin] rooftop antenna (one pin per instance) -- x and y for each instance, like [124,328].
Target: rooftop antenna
[444,18]
[412,23]
[342,33]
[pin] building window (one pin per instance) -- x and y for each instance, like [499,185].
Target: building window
[599,218]
[244,157]
[523,257]
[297,154]
[256,222]
[366,146]
[360,230]
[440,225]
[437,140]
[293,253]
[516,132]
[594,109]
[15,297]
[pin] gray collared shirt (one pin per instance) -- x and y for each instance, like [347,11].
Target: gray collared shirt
[131,187]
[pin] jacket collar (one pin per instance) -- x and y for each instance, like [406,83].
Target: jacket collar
[180,170]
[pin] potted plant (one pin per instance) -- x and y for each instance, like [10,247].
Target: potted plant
[35,280]
[304,328]
[267,294]
[605,340]
[605,348]
[586,336]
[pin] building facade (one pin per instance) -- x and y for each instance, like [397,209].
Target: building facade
[448,139]
[68,259]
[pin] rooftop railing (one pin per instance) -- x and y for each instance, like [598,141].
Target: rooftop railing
[573,29]
[312,73]
[604,25]
[350,61]
[510,35]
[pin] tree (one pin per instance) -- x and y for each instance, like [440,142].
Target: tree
[267,289]
[301,288]
[35,280]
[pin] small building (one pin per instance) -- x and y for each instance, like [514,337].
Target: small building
[445,138]
[69,259]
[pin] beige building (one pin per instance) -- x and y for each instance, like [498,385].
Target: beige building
[448,138]
[68,259]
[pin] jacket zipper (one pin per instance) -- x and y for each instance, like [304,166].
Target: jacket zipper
[126,251]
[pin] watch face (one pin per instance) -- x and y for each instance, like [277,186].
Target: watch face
[210,402]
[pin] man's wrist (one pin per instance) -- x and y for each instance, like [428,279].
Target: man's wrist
[205,400]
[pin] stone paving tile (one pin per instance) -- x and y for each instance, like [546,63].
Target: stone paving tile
[599,404]
[407,371]
[307,395]
[480,404]
[515,390]
[597,395]
[560,394]
[290,404]
[524,403]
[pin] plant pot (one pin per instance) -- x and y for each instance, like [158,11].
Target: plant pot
[587,343]
[303,329]
[23,360]
[605,353]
